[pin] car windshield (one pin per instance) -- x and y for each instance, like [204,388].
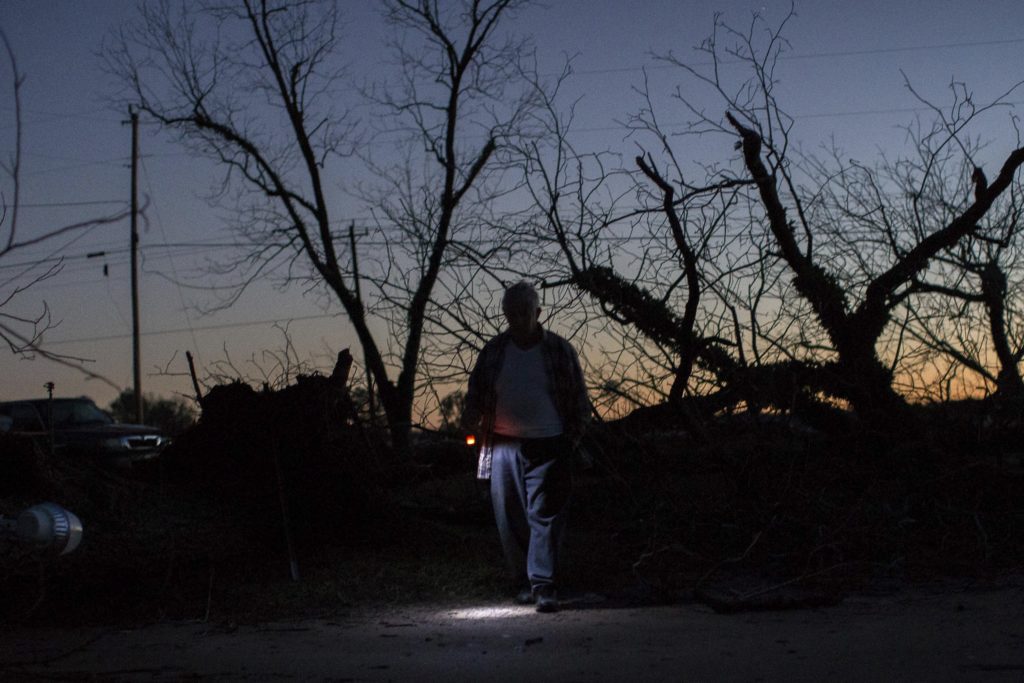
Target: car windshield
[73,413]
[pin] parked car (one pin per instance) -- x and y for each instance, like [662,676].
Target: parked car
[80,428]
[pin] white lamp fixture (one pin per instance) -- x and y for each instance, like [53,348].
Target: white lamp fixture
[46,526]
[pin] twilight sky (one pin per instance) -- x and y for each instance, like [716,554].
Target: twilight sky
[842,79]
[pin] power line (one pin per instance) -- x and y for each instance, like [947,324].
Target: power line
[118,161]
[816,115]
[182,330]
[718,242]
[101,251]
[47,205]
[42,112]
[56,251]
[200,245]
[904,48]
[813,55]
[661,66]
[41,155]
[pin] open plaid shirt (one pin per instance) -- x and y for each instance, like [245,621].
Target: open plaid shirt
[566,380]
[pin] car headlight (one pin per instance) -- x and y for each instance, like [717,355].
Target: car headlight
[115,444]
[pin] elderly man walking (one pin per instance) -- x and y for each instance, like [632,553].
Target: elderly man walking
[527,402]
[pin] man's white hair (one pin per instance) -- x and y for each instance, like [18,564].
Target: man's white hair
[520,296]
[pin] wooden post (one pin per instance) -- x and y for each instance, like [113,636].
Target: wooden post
[192,372]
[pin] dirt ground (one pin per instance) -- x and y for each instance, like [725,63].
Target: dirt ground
[914,634]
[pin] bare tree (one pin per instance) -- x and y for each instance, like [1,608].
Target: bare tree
[24,334]
[220,88]
[968,311]
[861,244]
[851,288]
[963,322]
[660,256]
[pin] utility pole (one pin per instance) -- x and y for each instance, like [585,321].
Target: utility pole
[136,359]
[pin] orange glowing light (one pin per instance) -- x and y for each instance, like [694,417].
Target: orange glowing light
[470,440]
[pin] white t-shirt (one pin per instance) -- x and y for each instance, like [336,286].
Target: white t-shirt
[525,407]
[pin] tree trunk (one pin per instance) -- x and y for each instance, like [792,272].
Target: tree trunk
[993,288]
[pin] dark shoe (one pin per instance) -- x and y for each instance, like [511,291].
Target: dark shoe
[525,596]
[547,599]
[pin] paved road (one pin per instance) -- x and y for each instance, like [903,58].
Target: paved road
[910,636]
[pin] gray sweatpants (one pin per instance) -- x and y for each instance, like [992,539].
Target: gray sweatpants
[530,498]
